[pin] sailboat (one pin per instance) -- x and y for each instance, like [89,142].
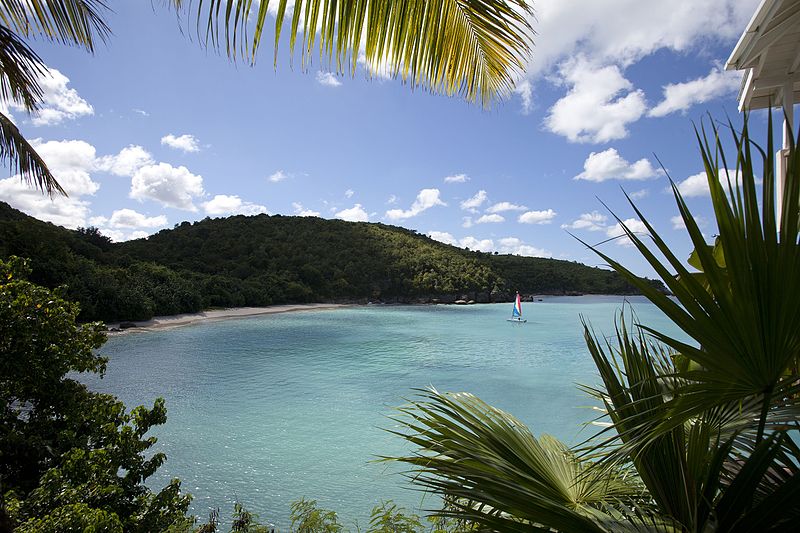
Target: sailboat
[516,313]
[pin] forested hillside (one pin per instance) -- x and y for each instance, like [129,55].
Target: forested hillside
[263,260]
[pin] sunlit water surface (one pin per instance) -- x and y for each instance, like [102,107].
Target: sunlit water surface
[269,409]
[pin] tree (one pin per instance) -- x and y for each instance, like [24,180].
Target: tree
[702,435]
[70,459]
[473,48]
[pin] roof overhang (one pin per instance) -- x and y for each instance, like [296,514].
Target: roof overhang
[769,53]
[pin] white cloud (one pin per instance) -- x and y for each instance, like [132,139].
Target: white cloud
[593,221]
[624,31]
[426,199]
[327,79]
[505,206]
[277,176]
[537,217]
[616,232]
[70,212]
[128,218]
[525,91]
[126,162]
[608,164]
[185,142]
[638,195]
[70,162]
[466,222]
[494,218]
[59,102]
[443,236]
[392,199]
[483,245]
[167,185]
[678,223]
[354,214]
[349,193]
[456,178]
[682,96]
[223,204]
[141,112]
[300,211]
[472,204]
[513,245]
[599,105]
[697,184]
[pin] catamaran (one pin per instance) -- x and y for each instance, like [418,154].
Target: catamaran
[516,313]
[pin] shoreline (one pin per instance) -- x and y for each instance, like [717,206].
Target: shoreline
[214,315]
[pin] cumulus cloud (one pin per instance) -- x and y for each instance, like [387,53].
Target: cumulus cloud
[71,163]
[472,204]
[443,236]
[301,211]
[608,164]
[277,176]
[593,221]
[466,222]
[126,162]
[354,214]
[697,184]
[618,233]
[426,199]
[505,206]
[456,178]
[327,79]
[392,199]
[598,106]
[349,193]
[624,31]
[678,223]
[515,246]
[494,218]
[537,217]
[525,91]
[638,195]
[482,245]
[682,96]
[170,186]
[128,218]
[59,102]
[223,204]
[70,212]
[185,142]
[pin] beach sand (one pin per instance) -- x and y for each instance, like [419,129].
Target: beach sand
[163,322]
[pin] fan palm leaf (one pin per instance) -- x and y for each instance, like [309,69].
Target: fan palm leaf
[497,474]
[473,48]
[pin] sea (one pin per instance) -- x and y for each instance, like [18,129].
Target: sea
[270,409]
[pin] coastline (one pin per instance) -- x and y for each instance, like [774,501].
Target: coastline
[174,321]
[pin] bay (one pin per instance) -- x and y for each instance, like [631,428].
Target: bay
[270,409]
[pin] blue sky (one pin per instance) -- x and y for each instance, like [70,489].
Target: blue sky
[153,130]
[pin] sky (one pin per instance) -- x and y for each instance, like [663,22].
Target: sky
[153,129]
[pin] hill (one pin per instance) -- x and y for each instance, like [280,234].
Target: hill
[262,260]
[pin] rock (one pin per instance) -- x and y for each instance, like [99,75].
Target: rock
[461,302]
[126,325]
[470,302]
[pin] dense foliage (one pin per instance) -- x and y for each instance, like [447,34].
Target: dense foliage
[70,459]
[263,260]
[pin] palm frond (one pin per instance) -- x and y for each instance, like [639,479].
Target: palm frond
[24,160]
[71,22]
[471,48]
[20,69]
[499,475]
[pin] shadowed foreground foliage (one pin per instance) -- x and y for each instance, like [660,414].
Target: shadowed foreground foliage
[703,434]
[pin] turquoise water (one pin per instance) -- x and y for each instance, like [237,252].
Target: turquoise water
[269,409]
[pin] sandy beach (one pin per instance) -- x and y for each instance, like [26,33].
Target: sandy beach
[172,321]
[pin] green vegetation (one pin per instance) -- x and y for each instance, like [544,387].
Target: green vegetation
[263,260]
[702,435]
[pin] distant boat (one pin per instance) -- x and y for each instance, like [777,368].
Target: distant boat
[516,312]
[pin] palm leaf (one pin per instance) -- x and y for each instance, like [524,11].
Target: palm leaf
[472,48]
[75,22]
[497,474]
[20,70]
[24,160]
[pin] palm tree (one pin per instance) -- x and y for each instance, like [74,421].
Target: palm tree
[702,435]
[471,48]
